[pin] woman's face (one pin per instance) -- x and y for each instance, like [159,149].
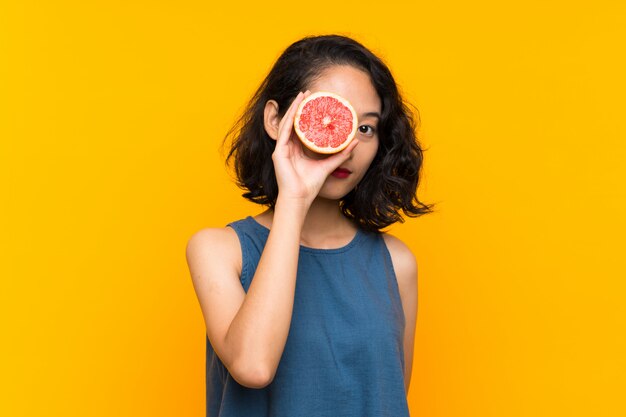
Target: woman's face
[354,85]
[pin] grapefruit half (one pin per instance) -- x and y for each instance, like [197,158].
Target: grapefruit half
[325,122]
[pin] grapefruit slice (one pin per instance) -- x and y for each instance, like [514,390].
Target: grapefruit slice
[325,122]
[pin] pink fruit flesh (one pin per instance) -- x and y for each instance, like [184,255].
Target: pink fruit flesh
[326,122]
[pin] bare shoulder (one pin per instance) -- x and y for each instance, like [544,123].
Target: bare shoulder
[210,244]
[404,262]
[212,235]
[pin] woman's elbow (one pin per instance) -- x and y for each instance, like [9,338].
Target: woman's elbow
[252,376]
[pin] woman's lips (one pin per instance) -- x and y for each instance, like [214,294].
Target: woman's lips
[341,173]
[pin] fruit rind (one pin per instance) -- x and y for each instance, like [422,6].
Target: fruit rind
[306,142]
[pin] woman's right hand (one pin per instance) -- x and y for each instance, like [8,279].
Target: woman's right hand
[300,177]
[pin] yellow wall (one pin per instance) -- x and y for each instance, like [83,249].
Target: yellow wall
[111,115]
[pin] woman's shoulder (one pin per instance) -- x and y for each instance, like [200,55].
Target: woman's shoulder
[225,237]
[218,243]
[212,235]
[403,259]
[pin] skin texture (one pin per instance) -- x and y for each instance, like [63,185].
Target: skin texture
[249,331]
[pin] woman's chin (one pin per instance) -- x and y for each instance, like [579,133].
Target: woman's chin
[333,193]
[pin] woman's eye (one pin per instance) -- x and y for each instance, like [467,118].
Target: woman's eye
[367,130]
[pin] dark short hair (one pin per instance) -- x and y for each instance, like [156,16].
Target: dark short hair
[390,184]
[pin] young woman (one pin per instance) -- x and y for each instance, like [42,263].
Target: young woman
[310,309]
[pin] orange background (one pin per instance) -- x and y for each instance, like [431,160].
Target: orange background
[111,116]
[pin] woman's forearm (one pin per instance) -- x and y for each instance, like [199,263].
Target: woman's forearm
[258,333]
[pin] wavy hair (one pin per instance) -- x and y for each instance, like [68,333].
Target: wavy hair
[390,184]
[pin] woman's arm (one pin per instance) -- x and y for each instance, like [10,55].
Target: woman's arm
[247,331]
[405,267]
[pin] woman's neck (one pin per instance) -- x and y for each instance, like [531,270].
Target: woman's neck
[325,226]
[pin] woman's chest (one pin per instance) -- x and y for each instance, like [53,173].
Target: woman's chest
[346,309]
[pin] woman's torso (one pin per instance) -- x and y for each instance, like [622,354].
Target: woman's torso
[344,354]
